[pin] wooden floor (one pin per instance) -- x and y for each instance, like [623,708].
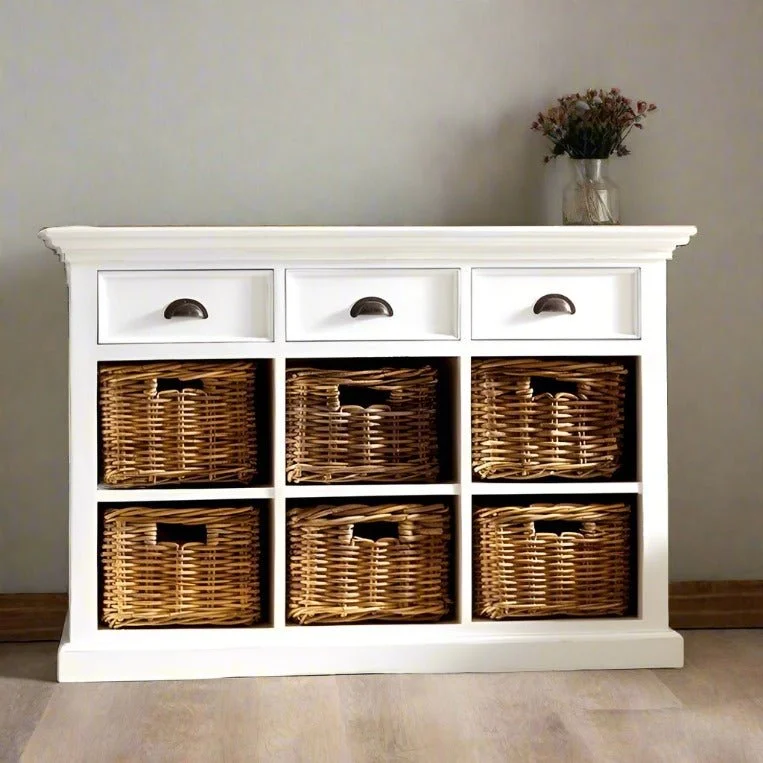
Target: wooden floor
[712,710]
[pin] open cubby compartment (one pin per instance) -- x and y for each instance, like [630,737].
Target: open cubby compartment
[555,556]
[371,560]
[190,564]
[371,420]
[181,423]
[555,419]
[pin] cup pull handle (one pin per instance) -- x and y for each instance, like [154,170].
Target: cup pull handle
[554,303]
[371,306]
[186,308]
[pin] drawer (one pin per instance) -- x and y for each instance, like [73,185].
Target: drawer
[185,306]
[371,304]
[565,303]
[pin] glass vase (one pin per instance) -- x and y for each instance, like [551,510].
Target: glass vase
[590,198]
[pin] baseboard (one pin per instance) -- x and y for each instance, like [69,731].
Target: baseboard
[32,616]
[717,604]
[693,604]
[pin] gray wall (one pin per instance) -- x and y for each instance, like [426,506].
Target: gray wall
[382,111]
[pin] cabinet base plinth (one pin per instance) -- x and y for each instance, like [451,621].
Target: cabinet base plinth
[452,653]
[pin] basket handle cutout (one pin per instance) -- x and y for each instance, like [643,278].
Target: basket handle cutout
[354,394]
[178,385]
[541,385]
[557,526]
[167,532]
[376,530]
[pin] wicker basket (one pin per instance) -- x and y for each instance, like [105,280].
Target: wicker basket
[361,426]
[177,422]
[181,567]
[356,562]
[545,559]
[546,418]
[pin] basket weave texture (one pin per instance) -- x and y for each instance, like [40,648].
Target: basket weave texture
[148,581]
[337,574]
[521,570]
[520,433]
[392,441]
[177,422]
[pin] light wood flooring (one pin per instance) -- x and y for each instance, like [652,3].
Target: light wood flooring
[712,710]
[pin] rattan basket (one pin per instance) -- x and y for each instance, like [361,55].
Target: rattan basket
[391,436]
[357,562]
[551,559]
[181,566]
[177,422]
[547,418]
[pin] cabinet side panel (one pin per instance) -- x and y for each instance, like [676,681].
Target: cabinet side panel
[83,452]
[653,450]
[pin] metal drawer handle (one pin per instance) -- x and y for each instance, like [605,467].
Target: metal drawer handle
[186,308]
[371,306]
[554,303]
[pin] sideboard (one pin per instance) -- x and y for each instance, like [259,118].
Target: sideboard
[349,300]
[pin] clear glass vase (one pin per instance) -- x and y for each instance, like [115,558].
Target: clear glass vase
[590,198]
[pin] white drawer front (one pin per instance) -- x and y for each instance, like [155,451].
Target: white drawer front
[132,305]
[423,303]
[605,303]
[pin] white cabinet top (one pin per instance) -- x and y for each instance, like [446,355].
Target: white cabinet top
[226,246]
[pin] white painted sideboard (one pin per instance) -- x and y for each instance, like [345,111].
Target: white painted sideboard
[285,293]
